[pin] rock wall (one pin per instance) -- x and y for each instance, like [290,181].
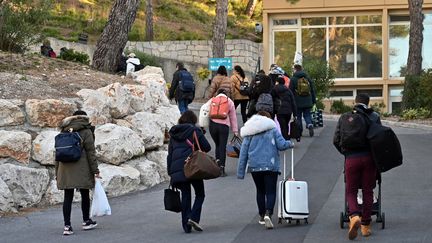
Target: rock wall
[130,120]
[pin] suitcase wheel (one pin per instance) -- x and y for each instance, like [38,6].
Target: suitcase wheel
[297,221]
[342,220]
[306,221]
[289,221]
[280,221]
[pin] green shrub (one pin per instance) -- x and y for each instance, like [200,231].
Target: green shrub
[320,105]
[145,59]
[322,75]
[378,107]
[74,56]
[339,107]
[420,113]
[203,73]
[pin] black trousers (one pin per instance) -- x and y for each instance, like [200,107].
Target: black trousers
[243,105]
[67,204]
[265,183]
[284,120]
[219,134]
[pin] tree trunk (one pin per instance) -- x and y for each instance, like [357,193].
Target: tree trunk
[114,37]
[414,63]
[220,28]
[149,21]
[251,7]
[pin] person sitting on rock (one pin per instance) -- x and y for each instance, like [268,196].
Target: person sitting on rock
[133,64]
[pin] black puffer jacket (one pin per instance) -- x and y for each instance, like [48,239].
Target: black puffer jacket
[179,149]
[176,92]
[285,101]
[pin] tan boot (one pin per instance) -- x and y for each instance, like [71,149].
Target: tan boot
[354,225]
[366,230]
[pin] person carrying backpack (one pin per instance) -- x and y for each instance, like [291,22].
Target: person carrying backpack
[222,116]
[285,105]
[238,79]
[360,169]
[182,87]
[221,81]
[260,85]
[303,89]
[79,174]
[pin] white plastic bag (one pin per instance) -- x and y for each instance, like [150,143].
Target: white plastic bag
[204,115]
[100,205]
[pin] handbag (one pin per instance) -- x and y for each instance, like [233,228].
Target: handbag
[294,130]
[200,165]
[233,148]
[172,199]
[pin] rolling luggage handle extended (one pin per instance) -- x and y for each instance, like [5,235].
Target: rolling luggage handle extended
[292,166]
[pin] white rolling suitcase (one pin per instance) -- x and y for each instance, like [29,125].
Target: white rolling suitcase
[292,196]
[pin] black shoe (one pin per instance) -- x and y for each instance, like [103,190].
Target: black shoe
[68,230]
[187,228]
[195,225]
[222,171]
[89,224]
[311,131]
[261,220]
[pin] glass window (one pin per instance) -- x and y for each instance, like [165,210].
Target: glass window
[369,51]
[341,93]
[284,48]
[369,19]
[399,18]
[341,20]
[313,21]
[427,40]
[285,22]
[371,92]
[396,92]
[314,43]
[398,49]
[342,51]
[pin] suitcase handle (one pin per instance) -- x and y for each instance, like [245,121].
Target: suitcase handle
[292,165]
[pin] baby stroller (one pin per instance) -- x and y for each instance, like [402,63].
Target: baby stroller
[376,208]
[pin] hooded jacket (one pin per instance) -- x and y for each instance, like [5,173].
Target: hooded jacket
[302,101]
[287,104]
[220,82]
[78,174]
[236,82]
[179,149]
[261,145]
[176,91]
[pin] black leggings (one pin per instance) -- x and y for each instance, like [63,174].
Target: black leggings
[219,134]
[67,204]
[243,105]
[284,120]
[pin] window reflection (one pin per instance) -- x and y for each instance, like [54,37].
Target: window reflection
[284,48]
[369,49]
[342,51]
[314,43]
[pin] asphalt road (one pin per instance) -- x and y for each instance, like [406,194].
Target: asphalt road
[230,212]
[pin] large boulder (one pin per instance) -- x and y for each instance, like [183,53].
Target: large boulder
[27,185]
[48,113]
[155,88]
[141,99]
[116,144]
[148,70]
[6,199]
[160,158]
[43,148]
[10,114]
[150,127]
[169,115]
[16,145]
[119,180]
[149,172]
[96,106]
[55,196]
[119,99]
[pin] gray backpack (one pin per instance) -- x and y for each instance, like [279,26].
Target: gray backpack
[265,103]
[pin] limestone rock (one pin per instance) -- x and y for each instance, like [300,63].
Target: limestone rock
[27,185]
[6,200]
[119,99]
[119,180]
[155,88]
[169,115]
[48,113]
[160,158]
[149,172]
[150,128]
[116,144]
[16,145]
[10,114]
[96,106]
[55,196]
[148,70]
[43,148]
[141,99]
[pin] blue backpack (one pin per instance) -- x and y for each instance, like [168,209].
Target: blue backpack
[186,81]
[68,147]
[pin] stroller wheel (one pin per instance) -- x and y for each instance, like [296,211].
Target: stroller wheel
[383,221]
[342,220]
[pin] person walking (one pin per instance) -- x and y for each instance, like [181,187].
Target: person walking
[80,174]
[261,84]
[179,148]
[260,150]
[219,130]
[237,79]
[285,105]
[303,89]
[182,87]
[221,81]
[360,169]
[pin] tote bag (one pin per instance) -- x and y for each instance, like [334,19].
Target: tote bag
[172,200]
[200,165]
[233,148]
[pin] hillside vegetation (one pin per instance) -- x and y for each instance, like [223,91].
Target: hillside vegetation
[173,20]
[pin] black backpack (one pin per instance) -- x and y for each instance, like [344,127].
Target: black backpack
[187,83]
[138,66]
[353,131]
[68,147]
[265,103]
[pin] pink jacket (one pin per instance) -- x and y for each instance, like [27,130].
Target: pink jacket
[231,120]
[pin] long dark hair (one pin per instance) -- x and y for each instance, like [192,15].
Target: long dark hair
[240,71]
[222,71]
[188,117]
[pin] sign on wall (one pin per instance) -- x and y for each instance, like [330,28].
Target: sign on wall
[215,63]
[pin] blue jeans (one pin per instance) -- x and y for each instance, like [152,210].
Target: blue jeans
[265,183]
[193,213]
[306,112]
[183,105]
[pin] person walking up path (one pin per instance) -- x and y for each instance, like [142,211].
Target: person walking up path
[221,81]
[237,79]
[182,88]
[285,107]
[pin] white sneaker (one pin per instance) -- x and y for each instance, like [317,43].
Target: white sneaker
[268,222]
[261,220]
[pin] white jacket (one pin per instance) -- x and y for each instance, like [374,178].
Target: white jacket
[130,68]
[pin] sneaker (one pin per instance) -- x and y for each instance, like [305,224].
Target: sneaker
[268,222]
[354,225]
[195,225]
[89,224]
[261,220]
[67,230]
[311,130]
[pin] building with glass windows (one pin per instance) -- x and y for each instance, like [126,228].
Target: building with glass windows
[365,41]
